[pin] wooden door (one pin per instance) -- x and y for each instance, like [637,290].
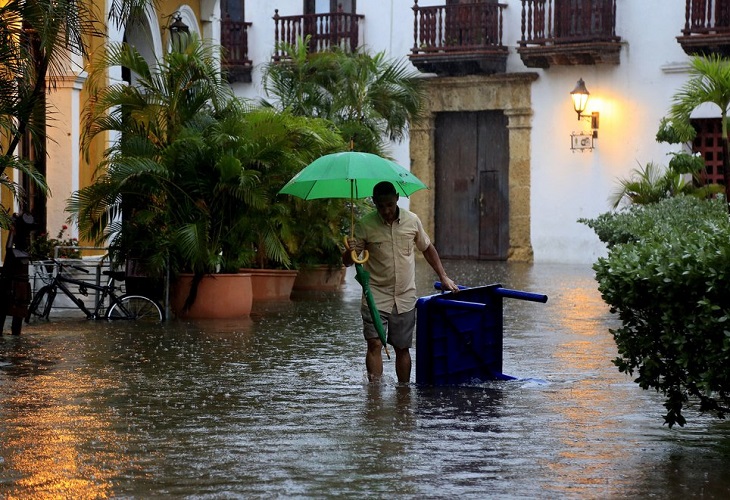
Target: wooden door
[472,198]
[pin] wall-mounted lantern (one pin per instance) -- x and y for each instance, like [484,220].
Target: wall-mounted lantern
[582,141]
[179,32]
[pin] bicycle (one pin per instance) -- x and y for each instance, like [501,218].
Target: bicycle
[120,307]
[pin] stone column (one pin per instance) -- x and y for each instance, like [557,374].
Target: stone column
[520,247]
[63,148]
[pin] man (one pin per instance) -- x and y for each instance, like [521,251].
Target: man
[391,235]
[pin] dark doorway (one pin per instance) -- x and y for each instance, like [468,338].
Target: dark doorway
[233,10]
[329,6]
[472,191]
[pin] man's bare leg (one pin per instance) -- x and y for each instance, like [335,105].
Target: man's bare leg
[374,360]
[403,365]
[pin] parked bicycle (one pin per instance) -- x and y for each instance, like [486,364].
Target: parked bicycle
[109,305]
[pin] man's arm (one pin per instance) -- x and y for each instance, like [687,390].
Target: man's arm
[433,259]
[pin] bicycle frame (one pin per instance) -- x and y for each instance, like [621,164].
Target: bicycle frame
[107,290]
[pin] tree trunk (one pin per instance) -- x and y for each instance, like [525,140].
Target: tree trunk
[726,169]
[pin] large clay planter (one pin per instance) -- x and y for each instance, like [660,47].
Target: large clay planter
[271,284]
[219,296]
[320,278]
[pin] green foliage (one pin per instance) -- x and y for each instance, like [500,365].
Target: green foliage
[368,98]
[667,276]
[709,82]
[193,177]
[653,183]
[675,132]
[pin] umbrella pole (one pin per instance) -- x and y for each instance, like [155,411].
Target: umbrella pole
[353,253]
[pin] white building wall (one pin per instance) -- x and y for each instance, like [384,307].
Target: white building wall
[631,97]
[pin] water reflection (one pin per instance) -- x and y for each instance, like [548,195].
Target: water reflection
[278,406]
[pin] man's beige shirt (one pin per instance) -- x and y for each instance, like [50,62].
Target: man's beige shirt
[392,262]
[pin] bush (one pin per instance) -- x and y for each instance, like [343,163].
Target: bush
[666,275]
[42,247]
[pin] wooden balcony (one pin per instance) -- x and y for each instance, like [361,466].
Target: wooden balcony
[234,39]
[337,29]
[555,32]
[706,27]
[459,39]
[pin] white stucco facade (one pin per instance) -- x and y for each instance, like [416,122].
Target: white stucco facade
[631,98]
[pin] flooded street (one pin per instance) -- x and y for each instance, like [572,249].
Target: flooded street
[277,405]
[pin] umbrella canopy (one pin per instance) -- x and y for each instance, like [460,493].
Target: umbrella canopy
[351,174]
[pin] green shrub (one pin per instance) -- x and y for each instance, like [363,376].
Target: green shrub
[667,277]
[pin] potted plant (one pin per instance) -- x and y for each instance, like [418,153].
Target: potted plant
[273,270]
[189,174]
[370,99]
[317,243]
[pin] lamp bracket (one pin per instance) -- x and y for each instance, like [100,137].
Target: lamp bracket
[593,118]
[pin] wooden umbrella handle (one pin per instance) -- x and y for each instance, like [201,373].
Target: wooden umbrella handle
[354,257]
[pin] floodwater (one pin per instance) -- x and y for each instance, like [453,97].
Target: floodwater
[278,405]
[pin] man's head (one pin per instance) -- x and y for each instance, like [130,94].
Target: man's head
[385,198]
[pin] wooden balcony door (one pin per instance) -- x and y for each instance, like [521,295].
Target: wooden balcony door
[577,20]
[330,23]
[472,191]
[467,25]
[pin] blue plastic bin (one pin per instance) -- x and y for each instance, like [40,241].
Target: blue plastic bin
[459,335]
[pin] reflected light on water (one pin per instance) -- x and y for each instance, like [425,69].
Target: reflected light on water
[586,419]
[278,406]
[56,450]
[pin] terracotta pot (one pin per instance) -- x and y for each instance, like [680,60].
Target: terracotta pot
[271,284]
[320,278]
[219,296]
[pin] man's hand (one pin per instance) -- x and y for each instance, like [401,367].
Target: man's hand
[353,244]
[448,284]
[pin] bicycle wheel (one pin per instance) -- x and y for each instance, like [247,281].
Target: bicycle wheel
[135,307]
[40,306]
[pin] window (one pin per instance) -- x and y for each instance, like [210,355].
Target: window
[708,142]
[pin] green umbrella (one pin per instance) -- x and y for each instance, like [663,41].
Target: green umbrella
[353,175]
[350,174]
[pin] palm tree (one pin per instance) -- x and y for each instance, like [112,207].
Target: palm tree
[652,183]
[190,179]
[709,83]
[370,100]
[368,97]
[39,40]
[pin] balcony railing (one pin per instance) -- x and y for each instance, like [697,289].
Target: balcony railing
[234,39]
[706,27]
[575,32]
[337,29]
[459,38]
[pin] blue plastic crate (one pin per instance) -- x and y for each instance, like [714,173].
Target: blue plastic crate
[459,335]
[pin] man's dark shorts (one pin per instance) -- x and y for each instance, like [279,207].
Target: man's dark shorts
[399,327]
